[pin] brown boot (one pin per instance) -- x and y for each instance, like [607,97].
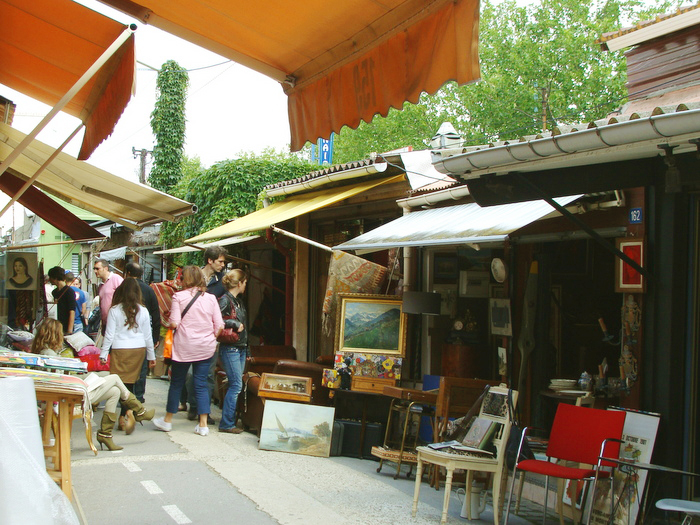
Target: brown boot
[104,435]
[140,413]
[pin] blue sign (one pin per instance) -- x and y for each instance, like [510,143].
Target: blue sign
[323,152]
[636,216]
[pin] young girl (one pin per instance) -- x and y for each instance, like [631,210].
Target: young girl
[49,341]
[49,338]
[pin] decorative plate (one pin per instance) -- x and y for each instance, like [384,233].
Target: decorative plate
[498,270]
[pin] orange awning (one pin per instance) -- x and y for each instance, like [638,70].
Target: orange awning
[47,45]
[339,62]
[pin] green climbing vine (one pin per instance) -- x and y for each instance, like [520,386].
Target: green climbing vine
[168,125]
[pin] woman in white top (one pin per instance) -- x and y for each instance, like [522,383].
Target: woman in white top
[128,340]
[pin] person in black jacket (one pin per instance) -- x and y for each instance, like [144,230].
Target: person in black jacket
[135,271]
[233,356]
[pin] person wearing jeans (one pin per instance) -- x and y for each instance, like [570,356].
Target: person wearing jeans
[196,318]
[178,374]
[233,356]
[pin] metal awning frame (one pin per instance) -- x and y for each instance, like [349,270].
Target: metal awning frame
[92,71]
[590,231]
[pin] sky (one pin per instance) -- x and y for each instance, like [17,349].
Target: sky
[230,108]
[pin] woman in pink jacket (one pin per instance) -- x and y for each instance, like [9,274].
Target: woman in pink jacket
[197,317]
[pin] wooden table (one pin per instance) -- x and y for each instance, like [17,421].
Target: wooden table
[59,423]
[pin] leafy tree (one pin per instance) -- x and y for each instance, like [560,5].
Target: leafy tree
[227,190]
[540,66]
[168,125]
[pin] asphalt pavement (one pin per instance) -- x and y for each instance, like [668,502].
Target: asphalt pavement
[180,477]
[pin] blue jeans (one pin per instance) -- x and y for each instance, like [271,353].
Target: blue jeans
[178,370]
[211,382]
[233,360]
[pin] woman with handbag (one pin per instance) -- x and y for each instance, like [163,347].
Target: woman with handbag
[129,341]
[196,319]
[233,345]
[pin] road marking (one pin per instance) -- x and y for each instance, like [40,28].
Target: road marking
[131,466]
[151,487]
[176,514]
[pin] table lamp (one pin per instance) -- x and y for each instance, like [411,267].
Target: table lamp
[427,303]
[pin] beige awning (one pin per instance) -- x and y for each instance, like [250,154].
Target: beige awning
[203,246]
[452,225]
[128,203]
[47,45]
[289,209]
[339,62]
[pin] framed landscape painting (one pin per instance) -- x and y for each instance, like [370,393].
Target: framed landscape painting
[371,324]
[297,428]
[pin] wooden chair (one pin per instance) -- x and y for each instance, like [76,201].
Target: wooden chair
[494,408]
[580,435]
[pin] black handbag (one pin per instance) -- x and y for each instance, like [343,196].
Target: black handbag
[514,439]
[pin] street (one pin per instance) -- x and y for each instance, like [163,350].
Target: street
[180,477]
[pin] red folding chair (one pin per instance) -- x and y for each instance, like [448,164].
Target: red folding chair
[581,435]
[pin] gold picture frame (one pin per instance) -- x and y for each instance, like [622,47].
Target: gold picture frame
[370,323]
[284,387]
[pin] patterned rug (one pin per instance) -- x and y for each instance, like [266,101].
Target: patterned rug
[347,273]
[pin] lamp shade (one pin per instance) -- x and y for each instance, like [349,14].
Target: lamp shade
[427,303]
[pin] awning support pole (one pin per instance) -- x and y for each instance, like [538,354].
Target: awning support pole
[39,245]
[104,57]
[45,165]
[302,239]
[590,231]
[244,261]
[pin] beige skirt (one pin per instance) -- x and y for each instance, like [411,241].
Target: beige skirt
[126,363]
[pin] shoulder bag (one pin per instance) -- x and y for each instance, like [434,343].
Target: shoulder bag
[170,334]
[229,336]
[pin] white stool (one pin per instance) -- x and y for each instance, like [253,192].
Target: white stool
[689,508]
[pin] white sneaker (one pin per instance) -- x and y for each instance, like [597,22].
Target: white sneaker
[202,431]
[161,424]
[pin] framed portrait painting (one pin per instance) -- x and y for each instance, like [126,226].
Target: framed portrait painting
[627,279]
[371,324]
[21,271]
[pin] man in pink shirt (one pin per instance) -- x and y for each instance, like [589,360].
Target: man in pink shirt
[110,281]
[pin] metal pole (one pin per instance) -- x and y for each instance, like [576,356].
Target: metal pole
[302,239]
[123,37]
[45,165]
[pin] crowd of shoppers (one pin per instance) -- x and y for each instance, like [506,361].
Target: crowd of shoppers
[206,301]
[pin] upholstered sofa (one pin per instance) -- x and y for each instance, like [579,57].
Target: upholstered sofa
[250,405]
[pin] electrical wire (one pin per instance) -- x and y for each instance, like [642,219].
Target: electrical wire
[155,69]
